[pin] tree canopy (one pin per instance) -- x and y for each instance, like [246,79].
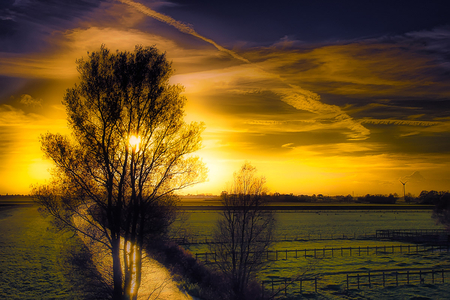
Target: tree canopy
[130,150]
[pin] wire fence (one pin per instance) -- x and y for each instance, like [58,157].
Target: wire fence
[274,255]
[356,280]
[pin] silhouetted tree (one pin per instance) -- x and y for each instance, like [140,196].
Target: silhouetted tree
[244,231]
[379,199]
[130,150]
[441,211]
[430,197]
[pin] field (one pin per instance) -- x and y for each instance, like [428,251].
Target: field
[320,231]
[36,260]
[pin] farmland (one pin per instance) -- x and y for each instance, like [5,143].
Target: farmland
[333,241]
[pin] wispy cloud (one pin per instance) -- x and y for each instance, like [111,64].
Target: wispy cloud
[399,122]
[28,100]
[181,27]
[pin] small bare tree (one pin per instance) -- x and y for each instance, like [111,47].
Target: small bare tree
[244,231]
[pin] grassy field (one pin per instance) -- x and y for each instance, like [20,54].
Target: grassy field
[299,230]
[214,203]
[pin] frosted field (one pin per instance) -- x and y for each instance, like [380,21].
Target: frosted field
[294,229]
[35,262]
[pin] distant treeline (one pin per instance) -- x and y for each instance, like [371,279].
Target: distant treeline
[425,197]
[433,197]
[381,199]
[12,196]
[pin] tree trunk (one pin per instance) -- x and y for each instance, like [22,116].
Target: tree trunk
[117,269]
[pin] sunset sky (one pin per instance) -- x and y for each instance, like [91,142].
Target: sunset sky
[330,97]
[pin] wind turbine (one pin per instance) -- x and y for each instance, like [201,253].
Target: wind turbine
[404,194]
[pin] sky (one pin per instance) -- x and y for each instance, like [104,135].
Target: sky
[322,97]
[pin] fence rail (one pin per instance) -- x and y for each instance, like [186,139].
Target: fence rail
[273,255]
[383,277]
[370,279]
[284,238]
[287,283]
[420,235]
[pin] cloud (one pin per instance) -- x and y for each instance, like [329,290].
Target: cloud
[75,43]
[30,101]
[181,27]
[399,122]
[310,101]
[415,177]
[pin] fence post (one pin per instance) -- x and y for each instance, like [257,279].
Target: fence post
[407,276]
[432,276]
[357,277]
[296,253]
[384,283]
[315,283]
[276,255]
[286,253]
[323,252]
[370,284]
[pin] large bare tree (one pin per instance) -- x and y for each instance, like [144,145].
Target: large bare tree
[129,151]
[244,231]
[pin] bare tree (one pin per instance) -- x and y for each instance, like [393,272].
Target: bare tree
[130,150]
[441,211]
[244,231]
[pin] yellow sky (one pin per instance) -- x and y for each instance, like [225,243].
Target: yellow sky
[338,118]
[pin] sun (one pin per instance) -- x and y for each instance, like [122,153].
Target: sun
[134,142]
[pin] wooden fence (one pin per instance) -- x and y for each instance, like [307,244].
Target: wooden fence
[273,255]
[287,283]
[356,279]
[396,277]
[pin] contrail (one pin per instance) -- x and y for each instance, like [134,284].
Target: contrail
[180,26]
[294,96]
